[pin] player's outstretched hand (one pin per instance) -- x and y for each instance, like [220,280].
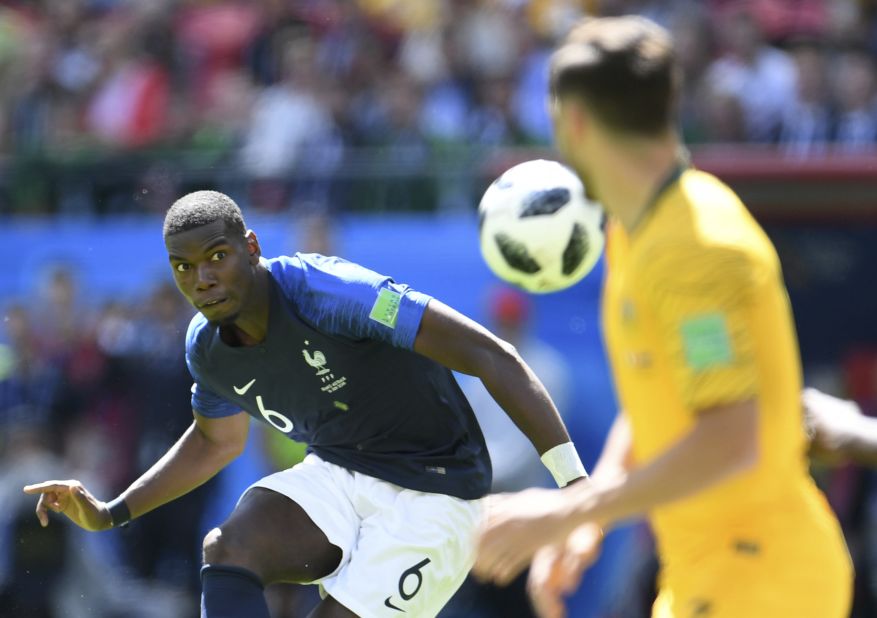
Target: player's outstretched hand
[557,570]
[517,526]
[830,422]
[74,501]
[543,583]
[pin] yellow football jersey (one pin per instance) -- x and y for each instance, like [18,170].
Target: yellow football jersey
[696,315]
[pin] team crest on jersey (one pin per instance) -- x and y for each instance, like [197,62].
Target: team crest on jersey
[317,360]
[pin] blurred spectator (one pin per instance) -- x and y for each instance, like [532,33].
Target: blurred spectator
[492,122]
[289,123]
[29,382]
[692,34]
[403,147]
[516,463]
[780,20]
[807,123]
[130,107]
[761,77]
[856,128]
[31,561]
[724,117]
[445,111]
[530,105]
[487,38]
[211,39]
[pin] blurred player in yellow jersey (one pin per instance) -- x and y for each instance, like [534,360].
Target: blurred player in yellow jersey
[710,442]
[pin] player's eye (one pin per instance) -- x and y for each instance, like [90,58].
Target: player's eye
[218,256]
[182,267]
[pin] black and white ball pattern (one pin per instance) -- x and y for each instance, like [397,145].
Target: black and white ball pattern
[538,230]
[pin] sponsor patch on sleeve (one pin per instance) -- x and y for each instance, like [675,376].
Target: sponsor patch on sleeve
[706,341]
[386,308]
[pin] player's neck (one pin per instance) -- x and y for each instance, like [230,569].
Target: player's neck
[251,325]
[632,175]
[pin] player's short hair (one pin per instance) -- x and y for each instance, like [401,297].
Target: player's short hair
[201,208]
[623,69]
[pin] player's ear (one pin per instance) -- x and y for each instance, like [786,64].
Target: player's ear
[254,251]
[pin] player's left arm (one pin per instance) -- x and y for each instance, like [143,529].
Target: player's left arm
[703,303]
[461,344]
[703,320]
[724,441]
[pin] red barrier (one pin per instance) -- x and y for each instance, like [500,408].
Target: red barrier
[749,163]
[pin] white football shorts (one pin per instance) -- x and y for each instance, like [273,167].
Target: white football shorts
[404,551]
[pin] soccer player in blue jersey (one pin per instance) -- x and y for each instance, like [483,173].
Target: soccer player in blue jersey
[383,511]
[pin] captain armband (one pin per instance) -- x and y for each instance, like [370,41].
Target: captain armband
[120,514]
[564,464]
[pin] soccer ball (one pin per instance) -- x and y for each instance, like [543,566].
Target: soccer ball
[538,230]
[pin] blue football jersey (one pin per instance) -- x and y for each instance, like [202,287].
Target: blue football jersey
[336,370]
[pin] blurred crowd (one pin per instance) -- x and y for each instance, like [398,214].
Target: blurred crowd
[96,394]
[96,388]
[270,88]
[99,392]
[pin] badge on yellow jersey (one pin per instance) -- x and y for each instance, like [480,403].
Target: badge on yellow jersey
[706,341]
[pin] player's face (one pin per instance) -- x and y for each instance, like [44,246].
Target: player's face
[214,269]
[568,119]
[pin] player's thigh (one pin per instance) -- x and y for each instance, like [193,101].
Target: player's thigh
[410,556]
[273,536]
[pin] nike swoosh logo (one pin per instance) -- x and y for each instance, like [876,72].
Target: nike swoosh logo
[246,387]
[389,604]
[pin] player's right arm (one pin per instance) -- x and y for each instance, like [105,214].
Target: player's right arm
[206,447]
[838,430]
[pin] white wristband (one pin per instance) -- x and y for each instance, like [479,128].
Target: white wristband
[564,464]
